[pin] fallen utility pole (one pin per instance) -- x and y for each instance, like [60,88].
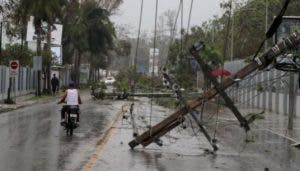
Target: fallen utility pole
[259,63]
[229,103]
[170,84]
[132,118]
[150,95]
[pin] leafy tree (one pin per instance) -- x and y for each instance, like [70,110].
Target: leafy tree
[144,83]
[88,32]
[120,56]
[182,65]
[109,5]
[42,11]
[17,52]
[249,24]
[123,48]
[247,30]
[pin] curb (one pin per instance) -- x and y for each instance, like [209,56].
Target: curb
[29,103]
[108,133]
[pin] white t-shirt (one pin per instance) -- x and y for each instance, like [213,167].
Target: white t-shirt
[72,97]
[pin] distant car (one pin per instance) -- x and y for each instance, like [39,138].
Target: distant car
[109,80]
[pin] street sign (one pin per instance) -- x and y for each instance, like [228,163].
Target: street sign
[289,25]
[37,63]
[14,67]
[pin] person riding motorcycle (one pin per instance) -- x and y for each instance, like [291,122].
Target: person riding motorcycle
[72,98]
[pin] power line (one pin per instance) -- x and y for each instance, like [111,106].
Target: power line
[175,24]
[189,21]
[190,16]
[153,62]
[137,46]
[181,28]
[139,33]
[173,29]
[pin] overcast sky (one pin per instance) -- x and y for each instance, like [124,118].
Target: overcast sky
[129,11]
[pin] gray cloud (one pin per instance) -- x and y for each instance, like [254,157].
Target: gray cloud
[203,10]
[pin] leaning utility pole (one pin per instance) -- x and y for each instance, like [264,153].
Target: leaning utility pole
[175,119]
[229,103]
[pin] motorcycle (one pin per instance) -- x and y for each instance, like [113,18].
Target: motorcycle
[71,119]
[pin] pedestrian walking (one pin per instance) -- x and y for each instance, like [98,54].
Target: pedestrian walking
[54,84]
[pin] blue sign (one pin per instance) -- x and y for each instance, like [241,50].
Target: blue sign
[289,25]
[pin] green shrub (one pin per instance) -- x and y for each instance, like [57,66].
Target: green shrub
[144,82]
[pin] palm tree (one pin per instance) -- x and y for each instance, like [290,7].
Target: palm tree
[109,5]
[42,11]
[88,33]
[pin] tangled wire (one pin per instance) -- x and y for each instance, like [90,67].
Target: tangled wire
[288,63]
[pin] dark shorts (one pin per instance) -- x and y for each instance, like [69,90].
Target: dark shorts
[66,108]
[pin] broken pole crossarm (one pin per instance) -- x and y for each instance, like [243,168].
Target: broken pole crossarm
[260,62]
[192,112]
[204,131]
[229,103]
[132,118]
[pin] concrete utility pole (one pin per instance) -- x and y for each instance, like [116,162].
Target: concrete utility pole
[173,120]
[232,32]
[292,100]
[1,25]
[266,26]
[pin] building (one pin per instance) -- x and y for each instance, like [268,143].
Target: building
[153,61]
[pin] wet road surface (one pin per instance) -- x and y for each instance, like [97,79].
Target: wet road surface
[32,138]
[270,143]
[182,150]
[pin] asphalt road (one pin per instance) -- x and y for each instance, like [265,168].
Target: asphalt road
[32,138]
[268,147]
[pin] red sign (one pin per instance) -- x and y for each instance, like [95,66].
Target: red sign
[14,65]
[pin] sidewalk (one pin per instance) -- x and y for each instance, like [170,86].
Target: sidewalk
[23,101]
[181,150]
[274,123]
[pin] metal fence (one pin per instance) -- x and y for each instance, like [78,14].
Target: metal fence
[23,83]
[26,80]
[271,90]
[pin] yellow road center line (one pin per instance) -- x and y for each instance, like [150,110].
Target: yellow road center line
[102,143]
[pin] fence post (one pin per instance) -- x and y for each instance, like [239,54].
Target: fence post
[278,87]
[252,96]
[270,97]
[265,80]
[296,93]
[285,97]
[248,89]
[236,94]
[292,96]
[39,82]
[2,80]
[244,90]
[6,79]
[257,87]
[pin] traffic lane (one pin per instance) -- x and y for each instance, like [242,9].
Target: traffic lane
[263,149]
[32,139]
[181,150]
